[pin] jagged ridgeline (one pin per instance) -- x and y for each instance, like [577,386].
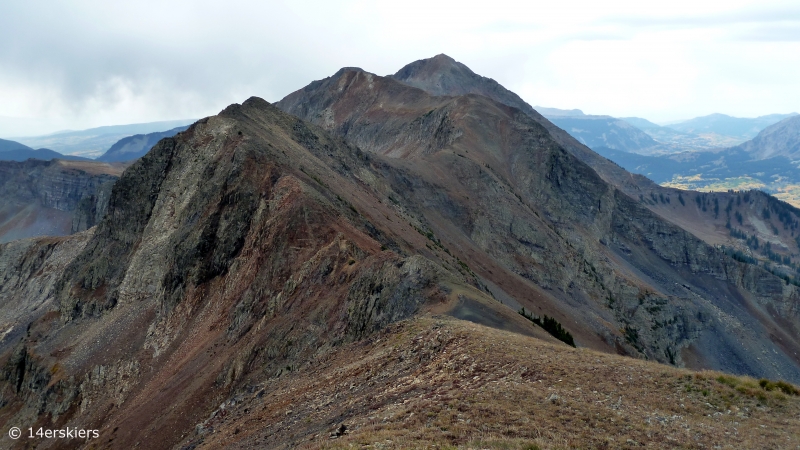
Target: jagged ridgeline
[249,243]
[271,242]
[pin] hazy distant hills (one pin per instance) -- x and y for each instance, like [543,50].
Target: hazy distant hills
[555,112]
[767,162]
[14,151]
[601,131]
[42,153]
[7,146]
[95,141]
[715,131]
[133,147]
[126,148]
[629,134]
[606,131]
[735,127]
[642,124]
[780,139]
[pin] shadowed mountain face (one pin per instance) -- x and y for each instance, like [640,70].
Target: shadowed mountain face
[134,147]
[52,198]
[542,228]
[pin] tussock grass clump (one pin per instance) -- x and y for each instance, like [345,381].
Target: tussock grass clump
[747,386]
[783,386]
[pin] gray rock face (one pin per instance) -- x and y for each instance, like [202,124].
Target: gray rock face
[52,197]
[29,270]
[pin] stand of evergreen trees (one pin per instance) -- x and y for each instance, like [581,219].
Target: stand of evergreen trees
[550,325]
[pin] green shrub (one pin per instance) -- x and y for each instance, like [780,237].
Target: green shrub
[550,325]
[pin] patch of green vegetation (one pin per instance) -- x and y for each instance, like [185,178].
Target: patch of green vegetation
[632,337]
[783,386]
[550,325]
[749,388]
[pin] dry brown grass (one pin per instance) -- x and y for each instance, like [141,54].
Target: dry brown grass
[442,383]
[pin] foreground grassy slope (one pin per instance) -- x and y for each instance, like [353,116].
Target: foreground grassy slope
[436,382]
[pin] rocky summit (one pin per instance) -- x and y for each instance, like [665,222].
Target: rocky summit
[367,263]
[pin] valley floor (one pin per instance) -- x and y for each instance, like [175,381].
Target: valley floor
[438,382]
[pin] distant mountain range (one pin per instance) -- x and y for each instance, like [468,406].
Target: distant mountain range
[134,147]
[14,151]
[736,127]
[780,139]
[715,131]
[93,142]
[126,149]
[768,162]
[606,131]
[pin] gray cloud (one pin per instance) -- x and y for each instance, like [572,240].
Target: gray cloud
[190,56]
[80,64]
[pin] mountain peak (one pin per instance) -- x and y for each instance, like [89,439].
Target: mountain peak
[780,139]
[441,75]
[440,58]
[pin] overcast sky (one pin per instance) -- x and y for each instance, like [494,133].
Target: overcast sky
[80,64]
